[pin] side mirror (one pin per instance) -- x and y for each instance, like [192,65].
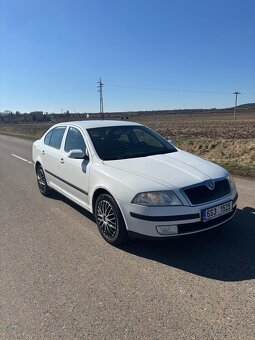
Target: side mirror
[171,142]
[76,154]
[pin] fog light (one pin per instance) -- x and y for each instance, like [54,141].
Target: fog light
[167,229]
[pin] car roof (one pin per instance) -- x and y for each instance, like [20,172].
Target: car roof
[88,124]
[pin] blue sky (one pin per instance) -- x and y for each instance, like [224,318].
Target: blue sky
[151,54]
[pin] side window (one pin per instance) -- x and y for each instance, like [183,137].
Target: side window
[74,140]
[47,138]
[57,136]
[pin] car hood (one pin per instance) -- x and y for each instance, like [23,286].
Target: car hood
[174,170]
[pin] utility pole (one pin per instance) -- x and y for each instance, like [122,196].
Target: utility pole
[100,90]
[236,93]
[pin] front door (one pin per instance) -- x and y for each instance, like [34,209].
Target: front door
[75,172]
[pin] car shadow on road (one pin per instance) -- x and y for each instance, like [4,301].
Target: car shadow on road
[226,253]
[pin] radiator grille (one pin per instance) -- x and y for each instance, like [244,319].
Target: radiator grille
[201,194]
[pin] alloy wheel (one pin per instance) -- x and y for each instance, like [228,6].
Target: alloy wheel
[41,180]
[106,218]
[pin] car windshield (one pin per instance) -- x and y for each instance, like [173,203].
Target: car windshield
[121,142]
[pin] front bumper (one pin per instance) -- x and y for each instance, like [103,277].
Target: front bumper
[142,222]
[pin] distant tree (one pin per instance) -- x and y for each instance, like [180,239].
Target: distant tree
[46,118]
[17,113]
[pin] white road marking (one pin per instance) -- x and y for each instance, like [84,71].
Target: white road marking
[23,159]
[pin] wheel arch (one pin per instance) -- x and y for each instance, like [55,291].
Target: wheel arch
[37,163]
[101,191]
[96,194]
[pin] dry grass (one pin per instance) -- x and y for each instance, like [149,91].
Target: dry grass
[237,155]
[29,131]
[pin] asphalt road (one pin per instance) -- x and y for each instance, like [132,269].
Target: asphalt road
[60,280]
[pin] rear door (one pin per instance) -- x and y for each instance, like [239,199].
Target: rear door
[51,155]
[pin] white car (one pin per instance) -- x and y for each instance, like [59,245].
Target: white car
[135,182]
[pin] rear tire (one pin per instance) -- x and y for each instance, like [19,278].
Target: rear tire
[42,182]
[109,220]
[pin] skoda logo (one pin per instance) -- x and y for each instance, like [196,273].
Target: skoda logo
[210,184]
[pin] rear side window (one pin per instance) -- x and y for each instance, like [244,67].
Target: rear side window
[74,140]
[47,138]
[57,136]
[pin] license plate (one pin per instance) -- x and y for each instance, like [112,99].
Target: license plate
[222,209]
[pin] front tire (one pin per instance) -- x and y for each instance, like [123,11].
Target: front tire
[41,181]
[109,220]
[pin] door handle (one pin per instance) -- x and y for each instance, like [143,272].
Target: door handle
[43,152]
[62,160]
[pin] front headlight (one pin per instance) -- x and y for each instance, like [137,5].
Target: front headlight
[231,183]
[156,198]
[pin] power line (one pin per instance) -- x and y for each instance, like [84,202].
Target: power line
[173,90]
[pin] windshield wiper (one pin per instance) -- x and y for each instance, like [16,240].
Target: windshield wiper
[113,158]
